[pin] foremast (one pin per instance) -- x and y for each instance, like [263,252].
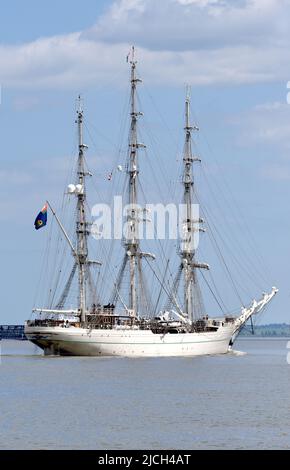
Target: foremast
[81,223]
[190,224]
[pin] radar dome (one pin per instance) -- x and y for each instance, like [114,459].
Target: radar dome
[79,188]
[71,188]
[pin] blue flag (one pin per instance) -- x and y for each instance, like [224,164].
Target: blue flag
[41,219]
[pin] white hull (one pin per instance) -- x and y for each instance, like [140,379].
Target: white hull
[128,343]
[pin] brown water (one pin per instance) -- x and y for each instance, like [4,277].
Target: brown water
[234,401]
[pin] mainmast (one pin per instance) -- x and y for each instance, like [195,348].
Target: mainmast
[133,255]
[132,241]
[81,225]
[187,251]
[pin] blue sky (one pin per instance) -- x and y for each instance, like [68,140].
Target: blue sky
[235,55]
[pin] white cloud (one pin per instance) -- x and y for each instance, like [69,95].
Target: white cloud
[267,123]
[59,61]
[265,130]
[62,62]
[193,24]
[178,41]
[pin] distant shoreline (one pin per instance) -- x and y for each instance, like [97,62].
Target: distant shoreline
[12,332]
[255,337]
[273,330]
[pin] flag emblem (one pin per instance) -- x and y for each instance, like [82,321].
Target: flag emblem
[41,219]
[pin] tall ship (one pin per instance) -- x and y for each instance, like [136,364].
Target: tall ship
[121,325]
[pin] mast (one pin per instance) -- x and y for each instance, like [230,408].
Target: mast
[187,251]
[132,241]
[133,255]
[81,224]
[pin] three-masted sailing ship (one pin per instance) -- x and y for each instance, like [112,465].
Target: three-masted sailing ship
[108,329]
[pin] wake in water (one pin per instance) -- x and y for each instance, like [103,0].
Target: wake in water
[237,353]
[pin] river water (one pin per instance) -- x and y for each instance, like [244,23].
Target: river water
[234,401]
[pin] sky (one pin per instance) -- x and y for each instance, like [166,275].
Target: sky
[235,56]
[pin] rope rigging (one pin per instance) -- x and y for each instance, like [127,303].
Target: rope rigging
[127,273]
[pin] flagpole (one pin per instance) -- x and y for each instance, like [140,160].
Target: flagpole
[63,230]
